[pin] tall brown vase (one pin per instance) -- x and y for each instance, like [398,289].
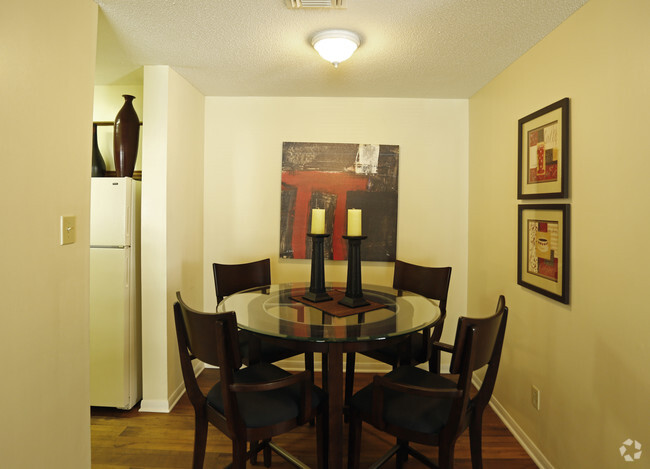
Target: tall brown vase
[126,135]
[98,166]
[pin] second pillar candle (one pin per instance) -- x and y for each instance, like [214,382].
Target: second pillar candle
[354,222]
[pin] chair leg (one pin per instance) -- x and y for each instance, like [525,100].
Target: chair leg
[254,445]
[238,454]
[404,355]
[434,362]
[324,365]
[446,455]
[309,363]
[322,441]
[254,349]
[402,453]
[349,380]
[476,441]
[267,455]
[354,440]
[200,440]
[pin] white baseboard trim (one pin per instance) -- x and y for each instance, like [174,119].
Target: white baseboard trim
[165,406]
[533,451]
[155,405]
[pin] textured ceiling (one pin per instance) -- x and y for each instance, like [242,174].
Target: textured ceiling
[409,48]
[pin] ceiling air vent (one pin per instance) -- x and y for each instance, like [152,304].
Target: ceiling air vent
[294,4]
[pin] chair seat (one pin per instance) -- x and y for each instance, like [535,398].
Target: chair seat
[269,352]
[392,353]
[416,413]
[260,409]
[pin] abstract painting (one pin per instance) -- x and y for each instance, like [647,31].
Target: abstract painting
[543,258]
[544,153]
[543,249]
[337,177]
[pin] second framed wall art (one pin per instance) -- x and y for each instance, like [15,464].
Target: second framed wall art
[543,249]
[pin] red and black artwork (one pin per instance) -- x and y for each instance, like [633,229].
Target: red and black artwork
[337,177]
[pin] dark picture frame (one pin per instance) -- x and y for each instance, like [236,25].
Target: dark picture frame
[543,153]
[543,249]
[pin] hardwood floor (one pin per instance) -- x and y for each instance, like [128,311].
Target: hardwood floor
[130,439]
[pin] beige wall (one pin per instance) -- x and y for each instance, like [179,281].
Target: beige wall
[172,224]
[243,161]
[47,57]
[184,207]
[589,359]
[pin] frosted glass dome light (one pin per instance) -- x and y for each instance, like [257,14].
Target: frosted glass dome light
[335,45]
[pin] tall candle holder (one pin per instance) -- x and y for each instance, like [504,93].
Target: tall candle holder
[353,293]
[317,292]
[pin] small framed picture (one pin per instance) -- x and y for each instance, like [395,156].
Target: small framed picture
[543,256]
[543,166]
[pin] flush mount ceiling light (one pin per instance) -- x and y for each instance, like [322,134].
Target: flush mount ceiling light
[335,45]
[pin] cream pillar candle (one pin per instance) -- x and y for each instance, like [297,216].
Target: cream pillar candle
[354,222]
[318,221]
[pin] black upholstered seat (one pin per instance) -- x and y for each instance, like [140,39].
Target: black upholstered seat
[265,408]
[266,351]
[417,413]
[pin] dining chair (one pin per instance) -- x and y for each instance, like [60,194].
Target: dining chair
[430,282]
[232,278]
[415,405]
[250,404]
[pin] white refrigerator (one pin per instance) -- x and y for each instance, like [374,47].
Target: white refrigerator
[115,338]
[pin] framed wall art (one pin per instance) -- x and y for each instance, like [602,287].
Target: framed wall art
[337,177]
[543,153]
[543,249]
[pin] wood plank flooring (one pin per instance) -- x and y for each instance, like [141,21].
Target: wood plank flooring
[130,439]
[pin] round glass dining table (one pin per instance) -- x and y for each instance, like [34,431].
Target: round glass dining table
[279,314]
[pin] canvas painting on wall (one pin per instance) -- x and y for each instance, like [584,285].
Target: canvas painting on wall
[337,177]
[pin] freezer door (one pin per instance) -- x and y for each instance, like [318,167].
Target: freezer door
[110,323]
[111,202]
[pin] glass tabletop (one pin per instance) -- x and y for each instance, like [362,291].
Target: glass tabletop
[271,311]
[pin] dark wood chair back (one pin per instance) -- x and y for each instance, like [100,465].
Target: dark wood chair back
[431,282]
[213,339]
[231,278]
[198,331]
[478,343]
[485,350]
[486,336]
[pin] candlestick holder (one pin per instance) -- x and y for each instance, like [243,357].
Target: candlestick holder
[353,293]
[317,292]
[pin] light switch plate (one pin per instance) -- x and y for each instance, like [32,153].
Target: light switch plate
[68,230]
